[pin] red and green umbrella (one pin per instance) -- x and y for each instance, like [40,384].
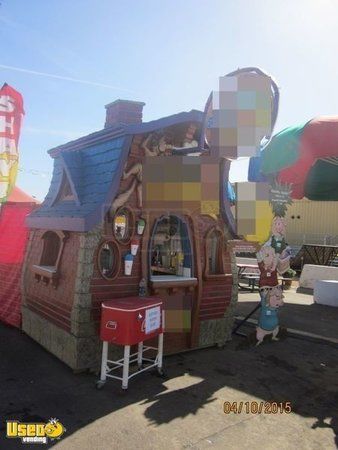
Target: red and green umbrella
[305,156]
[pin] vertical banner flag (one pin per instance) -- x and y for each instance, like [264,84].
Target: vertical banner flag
[11,112]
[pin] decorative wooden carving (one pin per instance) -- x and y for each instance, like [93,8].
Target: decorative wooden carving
[123,197]
[155,145]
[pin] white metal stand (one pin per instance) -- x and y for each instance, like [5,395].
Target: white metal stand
[108,366]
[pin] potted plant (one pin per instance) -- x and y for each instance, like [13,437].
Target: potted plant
[287,278]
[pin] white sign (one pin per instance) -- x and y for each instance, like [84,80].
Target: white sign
[153,319]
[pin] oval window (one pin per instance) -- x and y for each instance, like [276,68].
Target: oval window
[122,225]
[108,260]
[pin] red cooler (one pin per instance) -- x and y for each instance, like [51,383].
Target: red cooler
[128,321]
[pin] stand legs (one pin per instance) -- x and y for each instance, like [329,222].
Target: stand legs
[103,376]
[139,354]
[160,352]
[125,372]
[107,366]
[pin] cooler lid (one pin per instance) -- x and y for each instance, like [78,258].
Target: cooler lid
[132,303]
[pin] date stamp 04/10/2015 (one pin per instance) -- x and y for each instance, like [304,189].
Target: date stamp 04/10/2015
[257,407]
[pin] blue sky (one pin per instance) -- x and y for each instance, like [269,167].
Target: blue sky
[168,54]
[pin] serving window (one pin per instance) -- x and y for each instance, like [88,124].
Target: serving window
[171,249]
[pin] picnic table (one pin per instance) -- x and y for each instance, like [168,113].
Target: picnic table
[249,272]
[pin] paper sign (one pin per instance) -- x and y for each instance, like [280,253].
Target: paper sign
[153,319]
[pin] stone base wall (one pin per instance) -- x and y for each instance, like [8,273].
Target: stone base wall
[219,331]
[212,332]
[79,353]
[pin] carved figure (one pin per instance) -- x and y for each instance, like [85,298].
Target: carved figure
[122,198]
[155,147]
[268,322]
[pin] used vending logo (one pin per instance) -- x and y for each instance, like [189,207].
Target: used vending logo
[35,433]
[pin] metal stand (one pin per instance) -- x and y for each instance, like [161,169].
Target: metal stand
[108,366]
[242,322]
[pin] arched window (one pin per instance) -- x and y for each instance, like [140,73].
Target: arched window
[170,252]
[48,268]
[214,249]
[51,249]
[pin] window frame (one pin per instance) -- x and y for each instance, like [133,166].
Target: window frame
[44,253]
[50,274]
[207,274]
[130,225]
[63,195]
[117,254]
[156,223]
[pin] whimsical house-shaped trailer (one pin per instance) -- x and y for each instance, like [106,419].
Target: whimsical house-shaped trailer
[132,209]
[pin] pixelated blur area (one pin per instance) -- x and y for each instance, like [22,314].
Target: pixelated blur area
[178,314]
[241,115]
[253,212]
[181,183]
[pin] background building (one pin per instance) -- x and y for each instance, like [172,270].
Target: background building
[312,222]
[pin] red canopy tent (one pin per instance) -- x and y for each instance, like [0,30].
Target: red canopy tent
[13,240]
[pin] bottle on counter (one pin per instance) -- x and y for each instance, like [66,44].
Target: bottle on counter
[142,288]
[173,262]
[180,259]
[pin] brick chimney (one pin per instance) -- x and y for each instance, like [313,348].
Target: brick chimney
[123,112]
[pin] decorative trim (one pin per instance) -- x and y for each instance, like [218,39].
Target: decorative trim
[173,285]
[117,251]
[45,274]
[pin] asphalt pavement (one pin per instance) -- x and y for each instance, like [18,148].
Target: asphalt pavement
[186,409]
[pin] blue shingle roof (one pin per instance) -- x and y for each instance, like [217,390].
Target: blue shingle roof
[91,173]
[93,166]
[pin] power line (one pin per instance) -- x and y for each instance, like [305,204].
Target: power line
[40,173]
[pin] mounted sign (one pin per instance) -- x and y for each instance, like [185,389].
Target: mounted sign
[153,319]
[11,111]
